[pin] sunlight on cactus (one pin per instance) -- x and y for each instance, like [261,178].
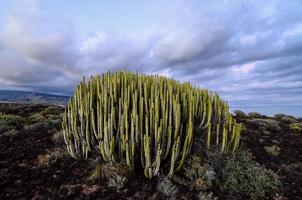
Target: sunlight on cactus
[150,119]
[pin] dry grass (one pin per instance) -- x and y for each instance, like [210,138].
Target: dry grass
[109,170]
[51,157]
[272,150]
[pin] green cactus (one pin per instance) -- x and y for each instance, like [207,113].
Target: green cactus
[125,116]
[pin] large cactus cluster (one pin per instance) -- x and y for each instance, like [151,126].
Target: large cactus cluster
[145,119]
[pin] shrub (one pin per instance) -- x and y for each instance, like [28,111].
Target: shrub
[206,196]
[117,182]
[296,127]
[289,119]
[285,118]
[39,126]
[52,110]
[241,174]
[254,115]
[266,124]
[240,114]
[279,115]
[58,138]
[167,188]
[199,176]
[36,117]
[8,121]
[273,150]
[109,170]
[52,157]
[146,119]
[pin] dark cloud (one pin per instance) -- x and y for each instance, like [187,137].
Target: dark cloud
[248,51]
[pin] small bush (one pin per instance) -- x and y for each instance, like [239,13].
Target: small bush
[167,188]
[240,114]
[37,117]
[254,115]
[199,176]
[243,129]
[52,110]
[296,127]
[54,117]
[273,150]
[285,118]
[117,182]
[279,115]
[241,174]
[58,138]
[8,121]
[206,196]
[52,157]
[109,171]
[38,126]
[289,119]
[266,124]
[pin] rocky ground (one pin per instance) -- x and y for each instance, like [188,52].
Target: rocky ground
[34,164]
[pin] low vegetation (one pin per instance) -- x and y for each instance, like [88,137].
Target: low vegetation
[36,163]
[273,150]
[206,196]
[52,157]
[167,188]
[240,174]
[266,124]
[9,121]
[240,114]
[296,128]
[254,115]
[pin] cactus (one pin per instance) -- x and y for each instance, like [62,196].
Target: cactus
[125,116]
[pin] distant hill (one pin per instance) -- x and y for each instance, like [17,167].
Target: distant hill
[31,97]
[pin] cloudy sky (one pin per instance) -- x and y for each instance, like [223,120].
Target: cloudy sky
[250,52]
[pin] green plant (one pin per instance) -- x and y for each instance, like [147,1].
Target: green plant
[198,175]
[167,188]
[8,121]
[117,182]
[279,115]
[51,157]
[289,119]
[286,118]
[36,117]
[109,170]
[296,127]
[206,196]
[240,174]
[254,115]
[273,150]
[266,124]
[240,114]
[58,138]
[151,119]
[52,110]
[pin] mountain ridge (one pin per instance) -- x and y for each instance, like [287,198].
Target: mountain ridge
[17,96]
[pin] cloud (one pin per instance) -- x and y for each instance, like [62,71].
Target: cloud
[248,51]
